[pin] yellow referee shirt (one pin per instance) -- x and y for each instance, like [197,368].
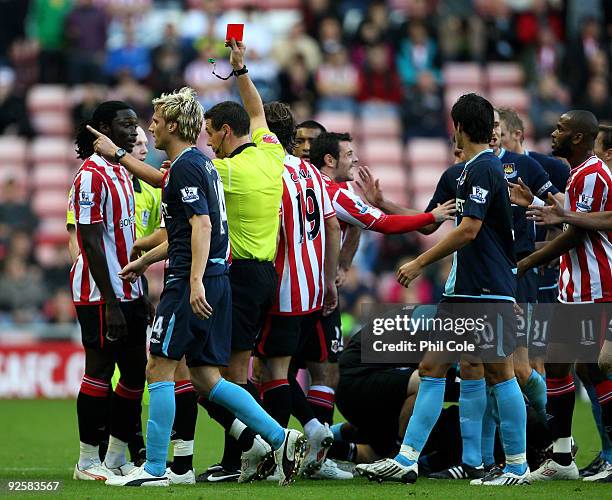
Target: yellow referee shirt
[253,184]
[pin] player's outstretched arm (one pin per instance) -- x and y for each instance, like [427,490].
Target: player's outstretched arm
[332,249]
[374,194]
[453,241]
[104,146]
[138,267]
[248,93]
[555,214]
[149,242]
[201,230]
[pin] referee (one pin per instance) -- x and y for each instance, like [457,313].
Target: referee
[250,161]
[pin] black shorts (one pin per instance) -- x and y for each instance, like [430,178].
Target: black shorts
[526,296]
[494,342]
[92,319]
[253,292]
[373,403]
[178,332]
[583,327]
[326,344]
[285,335]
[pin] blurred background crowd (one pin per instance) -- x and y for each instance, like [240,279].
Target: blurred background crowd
[387,71]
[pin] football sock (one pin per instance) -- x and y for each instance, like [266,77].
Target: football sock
[231,450]
[489,429]
[535,390]
[343,450]
[337,431]
[242,434]
[92,409]
[512,424]
[246,409]
[136,444]
[186,402]
[159,426]
[561,394]
[606,443]
[427,408]
[472,406]
[88,455]
[115,454]
[604,397]
[322,399]
[277,400]
[300,406]
[126,410]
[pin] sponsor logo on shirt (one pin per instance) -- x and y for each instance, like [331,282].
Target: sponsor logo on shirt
[509,170]
[584,203]
[270,139]
[479,195]
[86,199]
[189,194]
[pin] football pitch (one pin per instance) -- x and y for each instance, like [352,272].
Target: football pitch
[40,443]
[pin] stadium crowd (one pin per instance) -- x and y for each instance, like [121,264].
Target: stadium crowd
[321,57]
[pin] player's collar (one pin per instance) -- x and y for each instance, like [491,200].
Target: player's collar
[501,153]
[488,150]
[241,148]
[136,184]
[181,154]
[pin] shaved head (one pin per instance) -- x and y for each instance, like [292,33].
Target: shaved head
[585,123]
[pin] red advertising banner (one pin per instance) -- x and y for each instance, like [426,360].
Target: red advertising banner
[41,370]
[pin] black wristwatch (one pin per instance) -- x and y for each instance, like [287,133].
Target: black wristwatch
[120,153]
[241,71]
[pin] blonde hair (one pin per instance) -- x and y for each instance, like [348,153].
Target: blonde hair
[183,108]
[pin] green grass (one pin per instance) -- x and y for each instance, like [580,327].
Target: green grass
[40,442]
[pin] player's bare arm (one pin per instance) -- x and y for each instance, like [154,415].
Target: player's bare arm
[453,241]
[138,267]
[105,147]
[555,214]
[250,97]
[201,230]
[374,194]
[332,249]
[149,242]
[567,240]
[347,253]
[73,243]
[91,236]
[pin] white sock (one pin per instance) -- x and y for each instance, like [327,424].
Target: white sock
[311,427]
[562,445]
[182,448]
[322,388]
[88,455]
[409,452]
[115,454]
[236,429]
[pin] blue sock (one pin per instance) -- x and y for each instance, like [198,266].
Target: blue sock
[337,431]
[489,428]
[535,390]
[427,408]
[159,426]
[241,403]
[472,406]
[606,445]
[513,424]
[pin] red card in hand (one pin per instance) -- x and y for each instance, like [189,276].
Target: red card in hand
[234,31]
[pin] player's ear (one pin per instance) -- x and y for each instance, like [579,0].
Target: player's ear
[329,160]
[172,126]
[577,138]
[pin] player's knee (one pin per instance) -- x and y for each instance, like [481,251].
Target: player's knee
[237,370]
[470,370]
[160,370]
[522,371]
[431,369]
[182,371]
[100,369]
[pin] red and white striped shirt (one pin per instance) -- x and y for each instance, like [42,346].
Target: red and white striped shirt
[300,257]
[103,194]
[585,274]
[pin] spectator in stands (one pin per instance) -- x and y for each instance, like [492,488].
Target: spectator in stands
[46,25]
[22,291]
[12,26]
[57,271]
[296,82]
[547,104]
[418,52]
[378,80]
[297,43]
[459,31]
[199,76]
[203,18]
[21,246]
[15,212]
[597,99]
[264,73]
[337,82]
[423,112]
[91,96]
[315,11]
[500,36]
[86,32]
[14,118]
[167,60]
[59,309]
[545,57]
[130,90]
[130,56]
[330,35]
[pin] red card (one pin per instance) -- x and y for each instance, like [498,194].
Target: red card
[234,31]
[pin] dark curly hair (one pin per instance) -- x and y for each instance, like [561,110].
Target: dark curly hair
[105,113]
[281,122]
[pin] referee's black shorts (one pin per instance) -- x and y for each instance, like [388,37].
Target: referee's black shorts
[253,291]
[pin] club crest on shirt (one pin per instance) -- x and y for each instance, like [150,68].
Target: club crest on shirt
[86,200]
[270,139]
[509,170]
[479,195]
[584,203]
[189,194]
